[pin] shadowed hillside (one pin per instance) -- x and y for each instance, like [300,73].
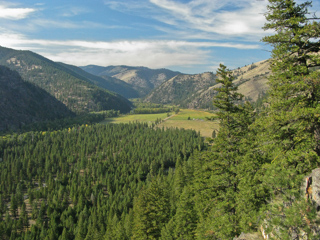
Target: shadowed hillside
[72,89]
[22,102]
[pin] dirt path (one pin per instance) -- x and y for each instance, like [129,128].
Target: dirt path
[169,117]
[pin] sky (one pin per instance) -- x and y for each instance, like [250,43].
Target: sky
[190,36]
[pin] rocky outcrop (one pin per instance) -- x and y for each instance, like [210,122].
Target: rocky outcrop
[249,236]
[311,190]
[311,187]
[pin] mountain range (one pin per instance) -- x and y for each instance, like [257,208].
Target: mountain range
[142,79]
[197,90]
[65,90]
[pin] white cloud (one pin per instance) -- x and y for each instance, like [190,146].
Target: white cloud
[245,17]
[15,13]
[227,18]
[150,53]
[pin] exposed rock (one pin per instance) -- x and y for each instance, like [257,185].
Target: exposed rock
[311,187]
[249,236]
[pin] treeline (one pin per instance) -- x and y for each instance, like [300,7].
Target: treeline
[59,124]
[152,108]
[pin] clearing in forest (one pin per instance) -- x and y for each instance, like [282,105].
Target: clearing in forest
[186,118]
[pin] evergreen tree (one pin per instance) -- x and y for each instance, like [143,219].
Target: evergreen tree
[151,212]
[217,185]
[293,123]
[290,131]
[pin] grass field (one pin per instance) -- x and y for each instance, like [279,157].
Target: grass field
[197,120]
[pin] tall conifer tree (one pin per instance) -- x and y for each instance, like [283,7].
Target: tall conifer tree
[291,128]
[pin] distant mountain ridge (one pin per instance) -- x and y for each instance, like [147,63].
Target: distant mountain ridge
[22,102]
[181,89]
[142,79]
[106,82]
[197,90]
[74,90]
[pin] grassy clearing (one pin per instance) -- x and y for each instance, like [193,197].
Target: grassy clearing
[197,120]
[205,127]
[193,114]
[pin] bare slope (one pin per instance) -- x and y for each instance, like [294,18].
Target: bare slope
[181,89]
[197,91]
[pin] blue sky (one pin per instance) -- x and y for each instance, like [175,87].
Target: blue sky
[191,36]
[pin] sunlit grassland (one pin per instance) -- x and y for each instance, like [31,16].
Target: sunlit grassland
[197,120]
[193,114]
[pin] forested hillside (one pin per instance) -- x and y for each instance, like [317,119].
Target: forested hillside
[23,103]
[73,90]
[140,78]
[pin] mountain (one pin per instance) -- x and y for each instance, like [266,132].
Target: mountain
[142,79]
[75,91]
[197,91]
[106,82]
[22,102]
[181,89]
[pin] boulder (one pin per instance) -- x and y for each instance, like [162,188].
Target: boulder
[311,187]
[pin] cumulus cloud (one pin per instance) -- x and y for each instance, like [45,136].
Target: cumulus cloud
[15,13]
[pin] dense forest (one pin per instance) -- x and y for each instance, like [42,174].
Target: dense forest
[81,181]
[138,181]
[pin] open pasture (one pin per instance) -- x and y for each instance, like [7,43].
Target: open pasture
[197,120]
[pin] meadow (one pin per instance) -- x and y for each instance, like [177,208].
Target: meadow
[186,118]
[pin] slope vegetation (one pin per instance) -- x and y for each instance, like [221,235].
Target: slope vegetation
[72,89]
[22,102]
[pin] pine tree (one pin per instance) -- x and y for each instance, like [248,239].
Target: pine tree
[217,180]
[151,212]
[293,122]
[186,216]
[290,131]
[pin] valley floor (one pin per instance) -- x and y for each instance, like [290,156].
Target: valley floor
[186,118]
